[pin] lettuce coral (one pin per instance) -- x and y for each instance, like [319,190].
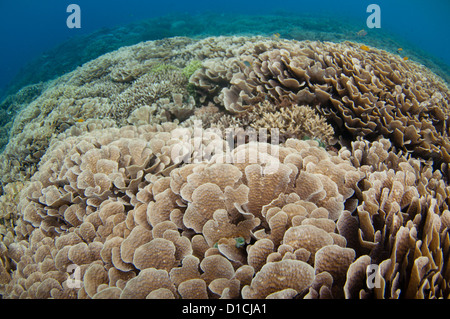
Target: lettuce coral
[136,199]
[88,207]
[364,93]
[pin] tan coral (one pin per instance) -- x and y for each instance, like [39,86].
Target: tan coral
[265,185]
[297,121]
[188,270]
[161,293]
[193,289]
[357,90]
[308,237]
[258,252]
[207,198]
[95,276]
[221,174]
[148,280]
[220,227]
[251,220]
[335,260]
[397,193]
[216,266]
[138,237]
[158,253]
[277,276]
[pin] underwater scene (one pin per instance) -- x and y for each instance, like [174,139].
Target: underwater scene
[239,150]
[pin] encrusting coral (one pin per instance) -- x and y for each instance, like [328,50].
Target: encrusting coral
[155,193]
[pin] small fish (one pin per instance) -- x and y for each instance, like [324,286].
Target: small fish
[80,120]
[405,58]
[276,35]
[365,48]
[248,64]
[362,33]
[399,49]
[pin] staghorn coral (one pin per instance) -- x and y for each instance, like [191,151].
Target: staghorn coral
[208,116]
[163,110]
[148,89]
[281,121]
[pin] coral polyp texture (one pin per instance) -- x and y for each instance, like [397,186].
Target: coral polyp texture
[230,167]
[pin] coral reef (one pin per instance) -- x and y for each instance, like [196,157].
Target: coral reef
[113,202]
[112,86]
[401,224]
[117,182]
[363,93]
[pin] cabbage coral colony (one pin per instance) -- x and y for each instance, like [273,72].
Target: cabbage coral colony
[360,179]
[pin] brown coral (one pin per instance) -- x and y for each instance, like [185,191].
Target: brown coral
[297,121]
[163,211]
[365,93]
[399,224]
[107,207]
[277,276]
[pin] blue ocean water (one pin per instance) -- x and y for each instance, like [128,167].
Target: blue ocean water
[29,28]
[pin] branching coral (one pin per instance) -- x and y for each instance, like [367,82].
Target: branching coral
[146,90]
[111,86]
[293,121]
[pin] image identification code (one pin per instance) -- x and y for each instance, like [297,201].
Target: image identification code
[247,308]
